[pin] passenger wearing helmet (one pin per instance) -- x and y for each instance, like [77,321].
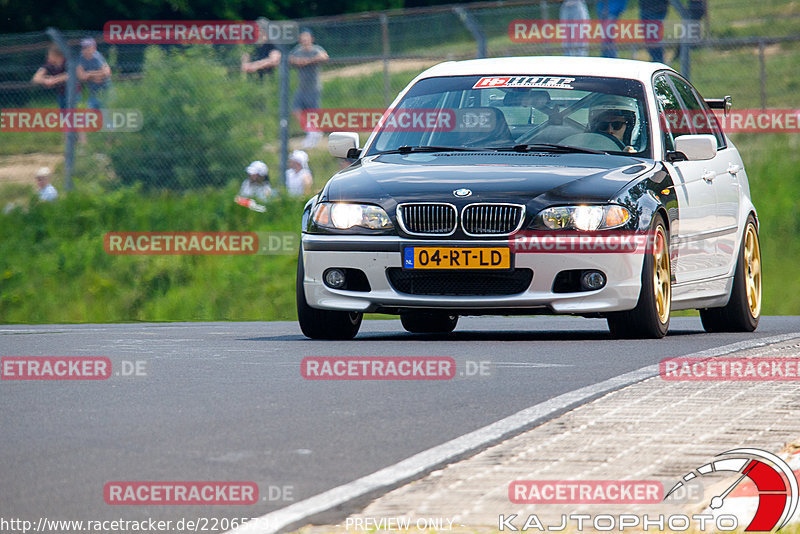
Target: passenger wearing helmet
[614,116]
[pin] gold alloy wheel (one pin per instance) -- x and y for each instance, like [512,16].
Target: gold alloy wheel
[661,283]
[752,270]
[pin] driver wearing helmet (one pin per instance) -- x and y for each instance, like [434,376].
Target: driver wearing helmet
[614,116]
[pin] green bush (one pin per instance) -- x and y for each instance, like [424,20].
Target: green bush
[198,122]
[54,269]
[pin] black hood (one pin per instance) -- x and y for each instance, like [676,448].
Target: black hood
[533,179]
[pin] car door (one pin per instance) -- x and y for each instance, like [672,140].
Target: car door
[726,166]
[694,241]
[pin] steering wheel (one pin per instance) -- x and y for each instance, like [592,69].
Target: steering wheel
[619,143]
[594,140]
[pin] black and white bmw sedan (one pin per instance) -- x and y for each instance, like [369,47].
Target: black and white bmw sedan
[554,185]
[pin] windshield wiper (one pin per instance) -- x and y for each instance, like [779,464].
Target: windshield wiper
[407,149]
[550,147]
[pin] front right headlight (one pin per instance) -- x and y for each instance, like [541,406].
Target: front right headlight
[584,217]
[346,215]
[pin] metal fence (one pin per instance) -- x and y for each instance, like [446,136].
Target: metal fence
[204,119]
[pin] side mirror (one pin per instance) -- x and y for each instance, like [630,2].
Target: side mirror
[343,144]
[724,104]
[696,146]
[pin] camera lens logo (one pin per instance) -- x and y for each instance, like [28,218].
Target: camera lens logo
[774,482]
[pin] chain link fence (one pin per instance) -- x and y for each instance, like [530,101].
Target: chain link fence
[204,119]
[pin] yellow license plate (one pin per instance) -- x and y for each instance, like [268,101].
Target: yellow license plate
[456,258]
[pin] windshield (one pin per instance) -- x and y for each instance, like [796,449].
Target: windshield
[480,112]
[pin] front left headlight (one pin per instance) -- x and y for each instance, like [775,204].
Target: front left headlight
[344,216]
[584,217]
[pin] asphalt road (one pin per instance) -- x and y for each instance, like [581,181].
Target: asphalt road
[226,402]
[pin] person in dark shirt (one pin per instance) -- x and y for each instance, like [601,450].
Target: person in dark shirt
[53,75]
[266,56]
[697,9]
[654,10]
[610,11]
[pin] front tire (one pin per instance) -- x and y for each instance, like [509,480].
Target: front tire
[743,310]
[323,324]
[650,317]
[429,323]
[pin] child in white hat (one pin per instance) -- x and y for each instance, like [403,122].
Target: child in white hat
[47,193]
[298,175]
[255,186]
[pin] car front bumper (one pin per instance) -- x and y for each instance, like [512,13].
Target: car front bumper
[375,254]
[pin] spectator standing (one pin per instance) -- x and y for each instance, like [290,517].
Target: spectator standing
[574,10]
[266,56]
[298,175]
[609,11]
[306,57]
[53,75]
[654,10]
[697,9]
[94,71]
[46,191]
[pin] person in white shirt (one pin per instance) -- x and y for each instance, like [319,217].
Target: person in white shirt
[298,175]
[256,185]
[47,193]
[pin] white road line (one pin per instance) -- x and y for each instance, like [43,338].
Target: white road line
[295,515]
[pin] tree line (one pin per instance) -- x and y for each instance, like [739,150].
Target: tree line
[17,16]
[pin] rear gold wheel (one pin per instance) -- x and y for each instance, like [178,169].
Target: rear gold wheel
[752,260]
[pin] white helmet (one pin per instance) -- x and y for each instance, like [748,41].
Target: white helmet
[616,104]
[299,156]
[258,167]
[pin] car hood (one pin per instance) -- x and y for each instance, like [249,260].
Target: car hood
[527,178]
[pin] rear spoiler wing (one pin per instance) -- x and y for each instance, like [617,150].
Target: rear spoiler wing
[720,103]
